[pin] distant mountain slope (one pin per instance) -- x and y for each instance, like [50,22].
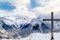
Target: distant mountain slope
[24,26]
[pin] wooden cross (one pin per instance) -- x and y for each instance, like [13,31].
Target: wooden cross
[52,19]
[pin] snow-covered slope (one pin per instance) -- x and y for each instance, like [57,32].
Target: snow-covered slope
[24,26]
[39,36]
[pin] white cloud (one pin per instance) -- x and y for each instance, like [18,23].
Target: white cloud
[51,5]
[22,7]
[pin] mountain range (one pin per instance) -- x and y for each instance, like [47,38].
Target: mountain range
[24,26]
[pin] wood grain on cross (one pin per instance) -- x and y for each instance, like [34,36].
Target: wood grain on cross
[52,38]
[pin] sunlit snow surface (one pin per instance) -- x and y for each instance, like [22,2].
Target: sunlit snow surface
[23,20]
[39,36]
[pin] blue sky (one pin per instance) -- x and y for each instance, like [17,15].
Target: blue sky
[34,4]
[7,6]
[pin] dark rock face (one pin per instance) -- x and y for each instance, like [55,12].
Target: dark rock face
[45,28]
[36,27]
[0,37]
[25,30]
[6,27]
[24,26]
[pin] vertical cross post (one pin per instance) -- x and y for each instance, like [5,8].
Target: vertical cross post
[52,38]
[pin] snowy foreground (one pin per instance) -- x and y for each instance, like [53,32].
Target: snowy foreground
[39,36]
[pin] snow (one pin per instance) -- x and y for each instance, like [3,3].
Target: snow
[39,36]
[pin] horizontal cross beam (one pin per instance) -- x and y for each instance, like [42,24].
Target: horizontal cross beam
[50,19]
